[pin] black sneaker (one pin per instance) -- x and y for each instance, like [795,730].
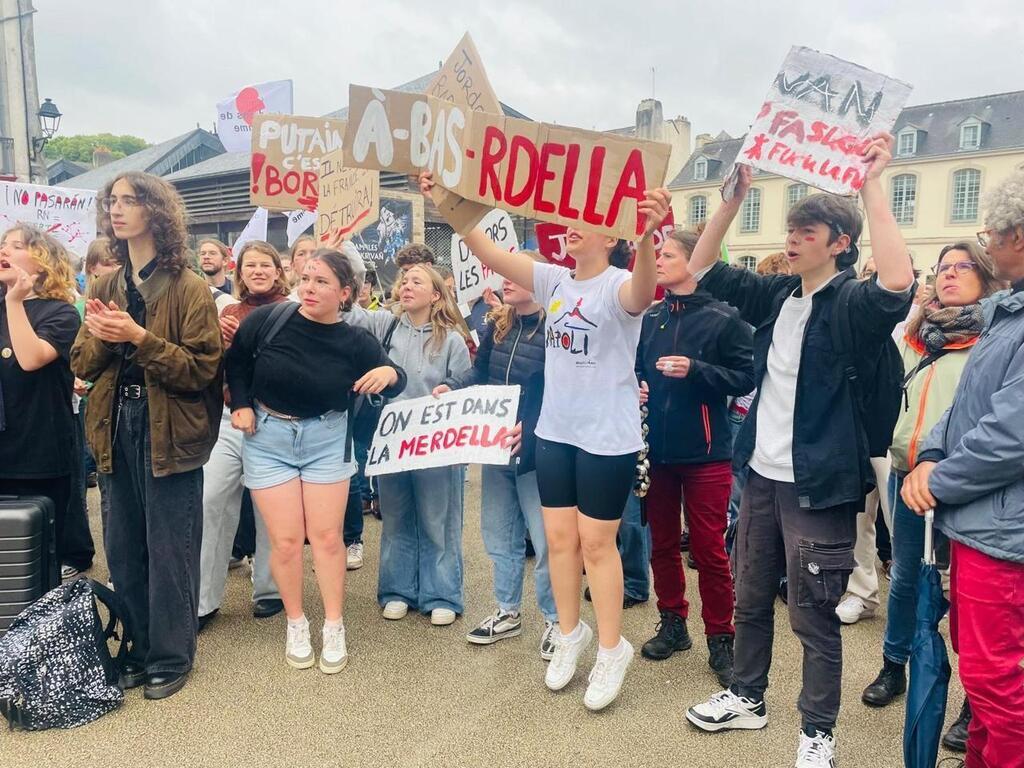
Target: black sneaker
[956,737]
[890,683]
[672,636]
[720,658]
[498,626]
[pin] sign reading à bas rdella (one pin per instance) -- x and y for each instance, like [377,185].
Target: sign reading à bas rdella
[580,178]
[819,115]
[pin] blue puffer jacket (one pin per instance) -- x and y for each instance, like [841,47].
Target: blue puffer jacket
[979,442]
[516,359]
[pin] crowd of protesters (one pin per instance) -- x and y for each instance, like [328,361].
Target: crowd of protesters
[256,387]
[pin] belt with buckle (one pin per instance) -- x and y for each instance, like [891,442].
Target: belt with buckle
[277,414]
[133,391]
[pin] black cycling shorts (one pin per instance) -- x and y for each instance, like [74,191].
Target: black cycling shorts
[568,476]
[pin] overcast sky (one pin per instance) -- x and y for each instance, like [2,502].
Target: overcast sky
[155,68]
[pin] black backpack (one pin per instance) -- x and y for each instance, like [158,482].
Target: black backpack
[56,670]
[876,382]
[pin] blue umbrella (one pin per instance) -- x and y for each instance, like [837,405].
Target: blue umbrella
[929,664]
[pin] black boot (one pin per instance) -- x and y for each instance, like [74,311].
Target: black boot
[890,683]
[720,658]
[672,636]
[956,737]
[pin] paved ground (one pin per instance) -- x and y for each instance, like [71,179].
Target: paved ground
[416,695]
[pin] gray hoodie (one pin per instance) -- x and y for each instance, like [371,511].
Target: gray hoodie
[412,347]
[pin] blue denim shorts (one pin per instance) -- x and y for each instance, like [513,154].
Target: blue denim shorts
[283,449]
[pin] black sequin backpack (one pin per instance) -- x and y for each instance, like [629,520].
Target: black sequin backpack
[56,670]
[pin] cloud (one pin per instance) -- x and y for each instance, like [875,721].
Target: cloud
[156,69]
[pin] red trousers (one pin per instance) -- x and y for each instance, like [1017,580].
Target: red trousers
[705,488]
[987,620]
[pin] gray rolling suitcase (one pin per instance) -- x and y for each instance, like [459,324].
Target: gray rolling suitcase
[28,554]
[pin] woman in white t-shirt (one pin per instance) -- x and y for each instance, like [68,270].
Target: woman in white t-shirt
[588,434]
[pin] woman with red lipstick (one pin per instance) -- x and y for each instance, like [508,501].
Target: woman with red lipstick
[589,431]
[935,348]
[290,396]
[38,323]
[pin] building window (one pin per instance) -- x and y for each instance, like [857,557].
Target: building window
[970,135]
[748,262]
[750,214]
[966,188]
[700,169]
[794,194]
[698,210]
[903,197]
[907,144]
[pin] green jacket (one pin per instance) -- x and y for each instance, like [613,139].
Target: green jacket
[928,396]
[181,358]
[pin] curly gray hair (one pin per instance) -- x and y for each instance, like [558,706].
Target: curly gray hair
[1004,205]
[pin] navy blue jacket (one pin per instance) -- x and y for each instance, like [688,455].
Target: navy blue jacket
[831,465]
[688,417]
[516,359]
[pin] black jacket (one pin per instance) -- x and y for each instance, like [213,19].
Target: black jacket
[830,451]
[688,420]
[517,359]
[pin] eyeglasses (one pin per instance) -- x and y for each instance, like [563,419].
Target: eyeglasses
[983,238]
[958,267]
[126,201]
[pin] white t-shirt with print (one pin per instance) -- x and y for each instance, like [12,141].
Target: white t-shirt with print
[591,397]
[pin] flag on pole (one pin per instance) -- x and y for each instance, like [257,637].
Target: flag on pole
[236,112]
[298,222]
[256,229]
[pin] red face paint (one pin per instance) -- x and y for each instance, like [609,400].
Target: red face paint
[810,239]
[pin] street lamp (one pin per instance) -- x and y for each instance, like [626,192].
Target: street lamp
[49,121]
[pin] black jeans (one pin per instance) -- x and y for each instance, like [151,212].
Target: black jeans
[814,548]
[77,548]
[154,531]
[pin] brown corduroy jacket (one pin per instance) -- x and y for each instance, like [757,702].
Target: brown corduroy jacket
[181,358]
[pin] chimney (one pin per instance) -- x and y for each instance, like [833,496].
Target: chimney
[101,156]
[702,139]
[649,120]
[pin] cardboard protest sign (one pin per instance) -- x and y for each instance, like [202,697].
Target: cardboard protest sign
[467,426]
[580,178]
[69,215]
[349,197]
[286,152]
[819,115]
[462,81]
[472,276]
[400,223]
[236,113]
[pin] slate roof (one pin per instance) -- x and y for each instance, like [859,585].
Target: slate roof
[155,159]
[1002,114]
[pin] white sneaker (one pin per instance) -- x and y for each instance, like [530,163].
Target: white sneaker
[442,617]
[818,751]
[606,677]
[562,666]
[395,610]
[725,711]
[334,655]
[547,640]
[852,609]
[298,650]
[354,556]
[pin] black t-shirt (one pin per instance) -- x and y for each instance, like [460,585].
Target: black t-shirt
[307,369]
[38,439]
[132,372]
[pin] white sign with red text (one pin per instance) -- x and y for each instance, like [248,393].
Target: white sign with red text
[467,426]
[472,277]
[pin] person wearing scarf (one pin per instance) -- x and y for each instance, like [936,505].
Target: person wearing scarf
[938,340]
[259,280]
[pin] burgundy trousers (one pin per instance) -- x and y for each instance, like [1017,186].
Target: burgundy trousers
[705,488]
